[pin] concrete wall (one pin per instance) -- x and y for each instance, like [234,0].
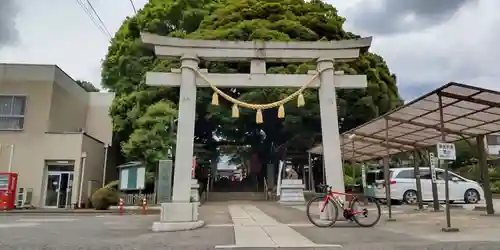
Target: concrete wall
[67,112]
[99,124]
[94,163]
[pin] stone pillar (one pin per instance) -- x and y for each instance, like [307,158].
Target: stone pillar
[185,131]
[164,182]
[181,213]
[329,126]
[195,192]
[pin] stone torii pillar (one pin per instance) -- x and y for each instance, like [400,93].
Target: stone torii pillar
[326,53]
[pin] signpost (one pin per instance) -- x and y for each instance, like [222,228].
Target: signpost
[433,164]
[432,169]
[446,151]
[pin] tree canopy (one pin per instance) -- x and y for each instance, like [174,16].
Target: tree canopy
[128,60]
[88,86]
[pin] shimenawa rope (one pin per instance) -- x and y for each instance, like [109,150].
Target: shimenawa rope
[259,107]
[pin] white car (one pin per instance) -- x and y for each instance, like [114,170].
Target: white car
[404,188]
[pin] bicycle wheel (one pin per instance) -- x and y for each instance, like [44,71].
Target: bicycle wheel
[368,210]
[322,219]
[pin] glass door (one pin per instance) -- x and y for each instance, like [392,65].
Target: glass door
[63,190]
[52,191]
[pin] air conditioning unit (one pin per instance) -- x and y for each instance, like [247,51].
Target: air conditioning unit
[20,198]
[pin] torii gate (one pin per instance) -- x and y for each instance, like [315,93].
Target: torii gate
[189,77]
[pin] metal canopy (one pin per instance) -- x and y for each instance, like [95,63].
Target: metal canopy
[468,112]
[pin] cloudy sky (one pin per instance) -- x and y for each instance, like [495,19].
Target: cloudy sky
[426,42]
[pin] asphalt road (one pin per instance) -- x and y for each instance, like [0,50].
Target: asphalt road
[104,232]
[133,232]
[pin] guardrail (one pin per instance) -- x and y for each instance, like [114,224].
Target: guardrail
[137,199]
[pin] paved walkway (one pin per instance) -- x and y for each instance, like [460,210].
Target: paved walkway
[256,225]
[254,228]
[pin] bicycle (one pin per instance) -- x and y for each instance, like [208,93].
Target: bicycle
[332,200]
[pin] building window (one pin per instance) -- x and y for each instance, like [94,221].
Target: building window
[493,139]
[12,112]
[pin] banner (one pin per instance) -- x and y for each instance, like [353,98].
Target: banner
[280,170]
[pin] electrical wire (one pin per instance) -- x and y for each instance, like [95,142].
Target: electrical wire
[133,6]
[98,17]
[92,18]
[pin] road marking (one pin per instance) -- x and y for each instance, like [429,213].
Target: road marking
[11,225]
[300,225]
[125,215]
[254,228]
[298,247]
[219,225]
[289,224]
[48,220]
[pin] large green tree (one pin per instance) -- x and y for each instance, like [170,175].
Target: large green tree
[284,20]
[153,137]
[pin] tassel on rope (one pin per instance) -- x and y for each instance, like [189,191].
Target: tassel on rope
[281,111]
[300,100]
[258,116]
[236,111]
[215,99]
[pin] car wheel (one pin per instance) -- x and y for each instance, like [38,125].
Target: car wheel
[410,197]
[471,196]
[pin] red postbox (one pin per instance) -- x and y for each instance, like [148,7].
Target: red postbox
[8,187]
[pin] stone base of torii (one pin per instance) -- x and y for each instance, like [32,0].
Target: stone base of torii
[182,213]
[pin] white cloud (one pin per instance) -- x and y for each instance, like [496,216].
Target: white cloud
[59,32]
[462,48]
[8,31]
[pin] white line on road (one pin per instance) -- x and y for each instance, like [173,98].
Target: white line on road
[254,228]
[11,225]
[219,225]
[126,215]
[232,225]
[48,220]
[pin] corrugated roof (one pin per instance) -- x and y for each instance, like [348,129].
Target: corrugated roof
[468,111]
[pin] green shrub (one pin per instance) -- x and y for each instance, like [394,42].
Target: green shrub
[348,180]
[106,196]
[495,186]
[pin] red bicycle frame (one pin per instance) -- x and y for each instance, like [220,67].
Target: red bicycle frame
[334,197]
